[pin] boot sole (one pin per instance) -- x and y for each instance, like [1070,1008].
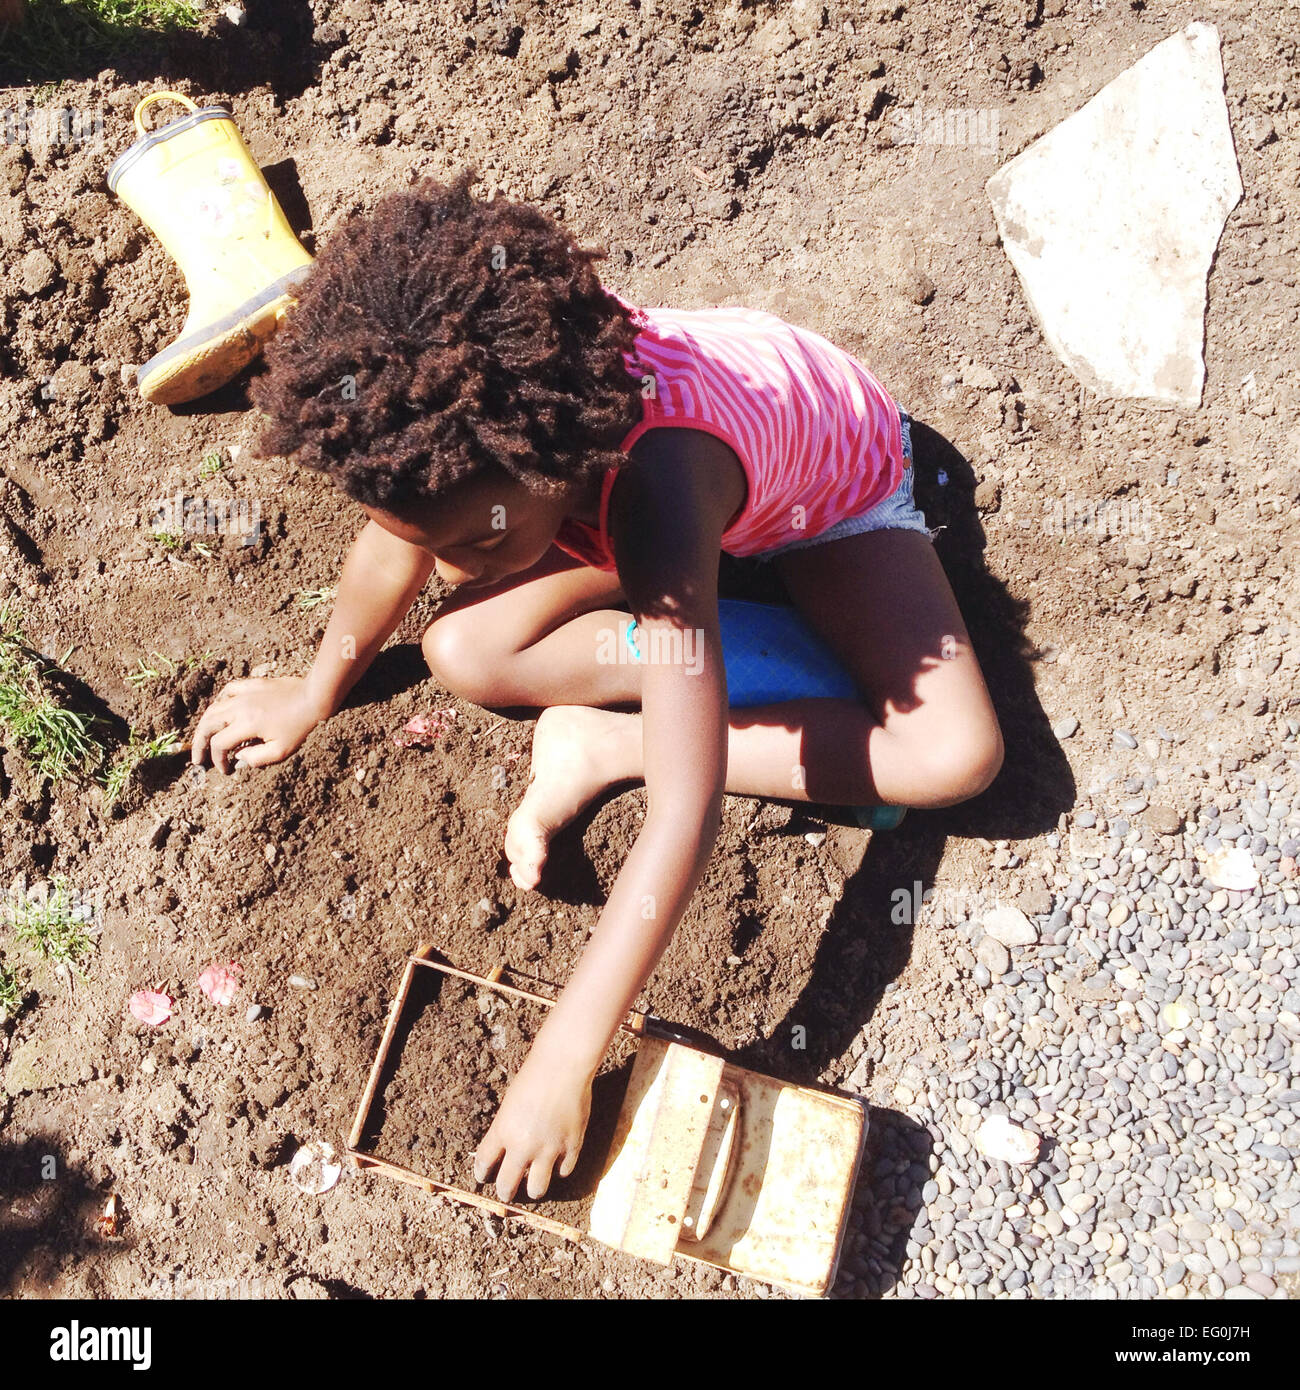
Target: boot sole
[214,355]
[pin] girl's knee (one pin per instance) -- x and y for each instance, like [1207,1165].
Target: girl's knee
[985,760]
[963,765]
[460,661]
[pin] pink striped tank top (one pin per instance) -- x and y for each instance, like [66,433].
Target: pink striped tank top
[817,435]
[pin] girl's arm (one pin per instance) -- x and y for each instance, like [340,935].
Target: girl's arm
[380,581]
[668,512]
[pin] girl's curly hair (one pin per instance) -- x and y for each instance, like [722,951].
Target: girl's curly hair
[442,336]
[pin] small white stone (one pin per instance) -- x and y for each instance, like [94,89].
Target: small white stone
[1176,1015]
[1232,868]
[314,1169]
[999,1138]
[1010,926]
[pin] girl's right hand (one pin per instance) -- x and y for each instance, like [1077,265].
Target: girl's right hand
[271,718]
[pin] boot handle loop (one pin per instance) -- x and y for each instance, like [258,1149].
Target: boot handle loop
[159,96]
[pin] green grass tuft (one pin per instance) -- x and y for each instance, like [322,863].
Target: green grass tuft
[62,37]
[55,740]
[137,751]
[55,928]
[12,992]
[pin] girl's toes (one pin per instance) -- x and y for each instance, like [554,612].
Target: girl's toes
[527,879]
[526,871]
[526,850]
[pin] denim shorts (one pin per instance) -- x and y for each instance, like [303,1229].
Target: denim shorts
[897,512]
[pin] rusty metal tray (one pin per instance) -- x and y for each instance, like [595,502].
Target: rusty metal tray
[709,1161]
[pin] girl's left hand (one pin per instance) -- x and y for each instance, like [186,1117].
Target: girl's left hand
[541,1122]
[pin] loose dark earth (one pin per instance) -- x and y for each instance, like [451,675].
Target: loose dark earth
[1128,576]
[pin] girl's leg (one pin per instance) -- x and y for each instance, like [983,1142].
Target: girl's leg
[929,736]
[535,638]
[926,735]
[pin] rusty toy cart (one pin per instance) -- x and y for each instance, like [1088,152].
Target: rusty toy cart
[708,1162]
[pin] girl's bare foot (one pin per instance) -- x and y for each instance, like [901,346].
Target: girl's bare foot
[577,752]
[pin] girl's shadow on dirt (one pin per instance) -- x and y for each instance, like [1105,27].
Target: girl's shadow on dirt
[868,940]
[45,1214]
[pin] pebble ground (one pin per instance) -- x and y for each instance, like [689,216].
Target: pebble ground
[1150,1036]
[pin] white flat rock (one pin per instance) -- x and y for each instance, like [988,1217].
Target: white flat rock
[997,1137]
[1112,219]
[1010,926]
[1232,867]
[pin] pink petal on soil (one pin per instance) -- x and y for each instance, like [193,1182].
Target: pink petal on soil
[425,730]
[219,982]
[151,1007]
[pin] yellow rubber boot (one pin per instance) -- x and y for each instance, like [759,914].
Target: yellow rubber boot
[194,184]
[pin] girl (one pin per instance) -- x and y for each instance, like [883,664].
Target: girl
[559,456]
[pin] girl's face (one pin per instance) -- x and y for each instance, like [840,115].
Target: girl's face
[482,531]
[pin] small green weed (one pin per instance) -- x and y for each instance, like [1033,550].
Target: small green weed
[313,598]
[55,740]
[137,751]
[212,465]
[12,992]
[167,667]
[56,928]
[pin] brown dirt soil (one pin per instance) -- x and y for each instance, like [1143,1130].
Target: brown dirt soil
[724,153]
[455,1053]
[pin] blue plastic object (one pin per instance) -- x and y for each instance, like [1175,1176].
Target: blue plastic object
[771,654]
[879,817]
